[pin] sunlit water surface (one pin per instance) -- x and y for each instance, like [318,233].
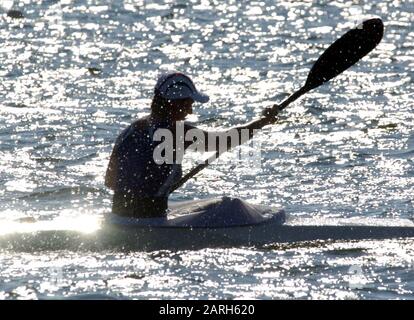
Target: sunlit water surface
[345,150]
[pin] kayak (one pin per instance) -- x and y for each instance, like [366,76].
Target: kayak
[211,223]
[231,222]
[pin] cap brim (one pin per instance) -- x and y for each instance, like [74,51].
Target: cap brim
[200,97]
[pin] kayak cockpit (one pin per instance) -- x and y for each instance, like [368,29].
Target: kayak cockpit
[223,212]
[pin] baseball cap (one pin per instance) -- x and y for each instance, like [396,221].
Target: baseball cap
[173,85]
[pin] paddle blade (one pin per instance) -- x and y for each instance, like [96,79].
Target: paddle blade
[345,52]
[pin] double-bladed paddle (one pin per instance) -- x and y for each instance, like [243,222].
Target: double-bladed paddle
[342,54]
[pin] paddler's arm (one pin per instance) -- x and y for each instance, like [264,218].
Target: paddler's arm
[246,131]
[269,116]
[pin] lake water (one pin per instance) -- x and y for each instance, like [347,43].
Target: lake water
[344,150]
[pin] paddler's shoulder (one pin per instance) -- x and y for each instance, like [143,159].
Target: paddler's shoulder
[140,124]
[135,129]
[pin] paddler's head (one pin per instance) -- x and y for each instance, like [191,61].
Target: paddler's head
[174,95]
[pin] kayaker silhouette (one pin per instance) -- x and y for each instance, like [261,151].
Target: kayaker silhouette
[141,185]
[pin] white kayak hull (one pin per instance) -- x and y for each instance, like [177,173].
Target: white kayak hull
[155,238]
[199,228]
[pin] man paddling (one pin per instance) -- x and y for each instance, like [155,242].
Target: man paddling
[141,186]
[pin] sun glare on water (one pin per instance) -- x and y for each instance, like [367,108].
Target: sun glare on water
[81,224]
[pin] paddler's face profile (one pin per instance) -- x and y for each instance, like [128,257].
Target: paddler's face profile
[171,110]
[180,108]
